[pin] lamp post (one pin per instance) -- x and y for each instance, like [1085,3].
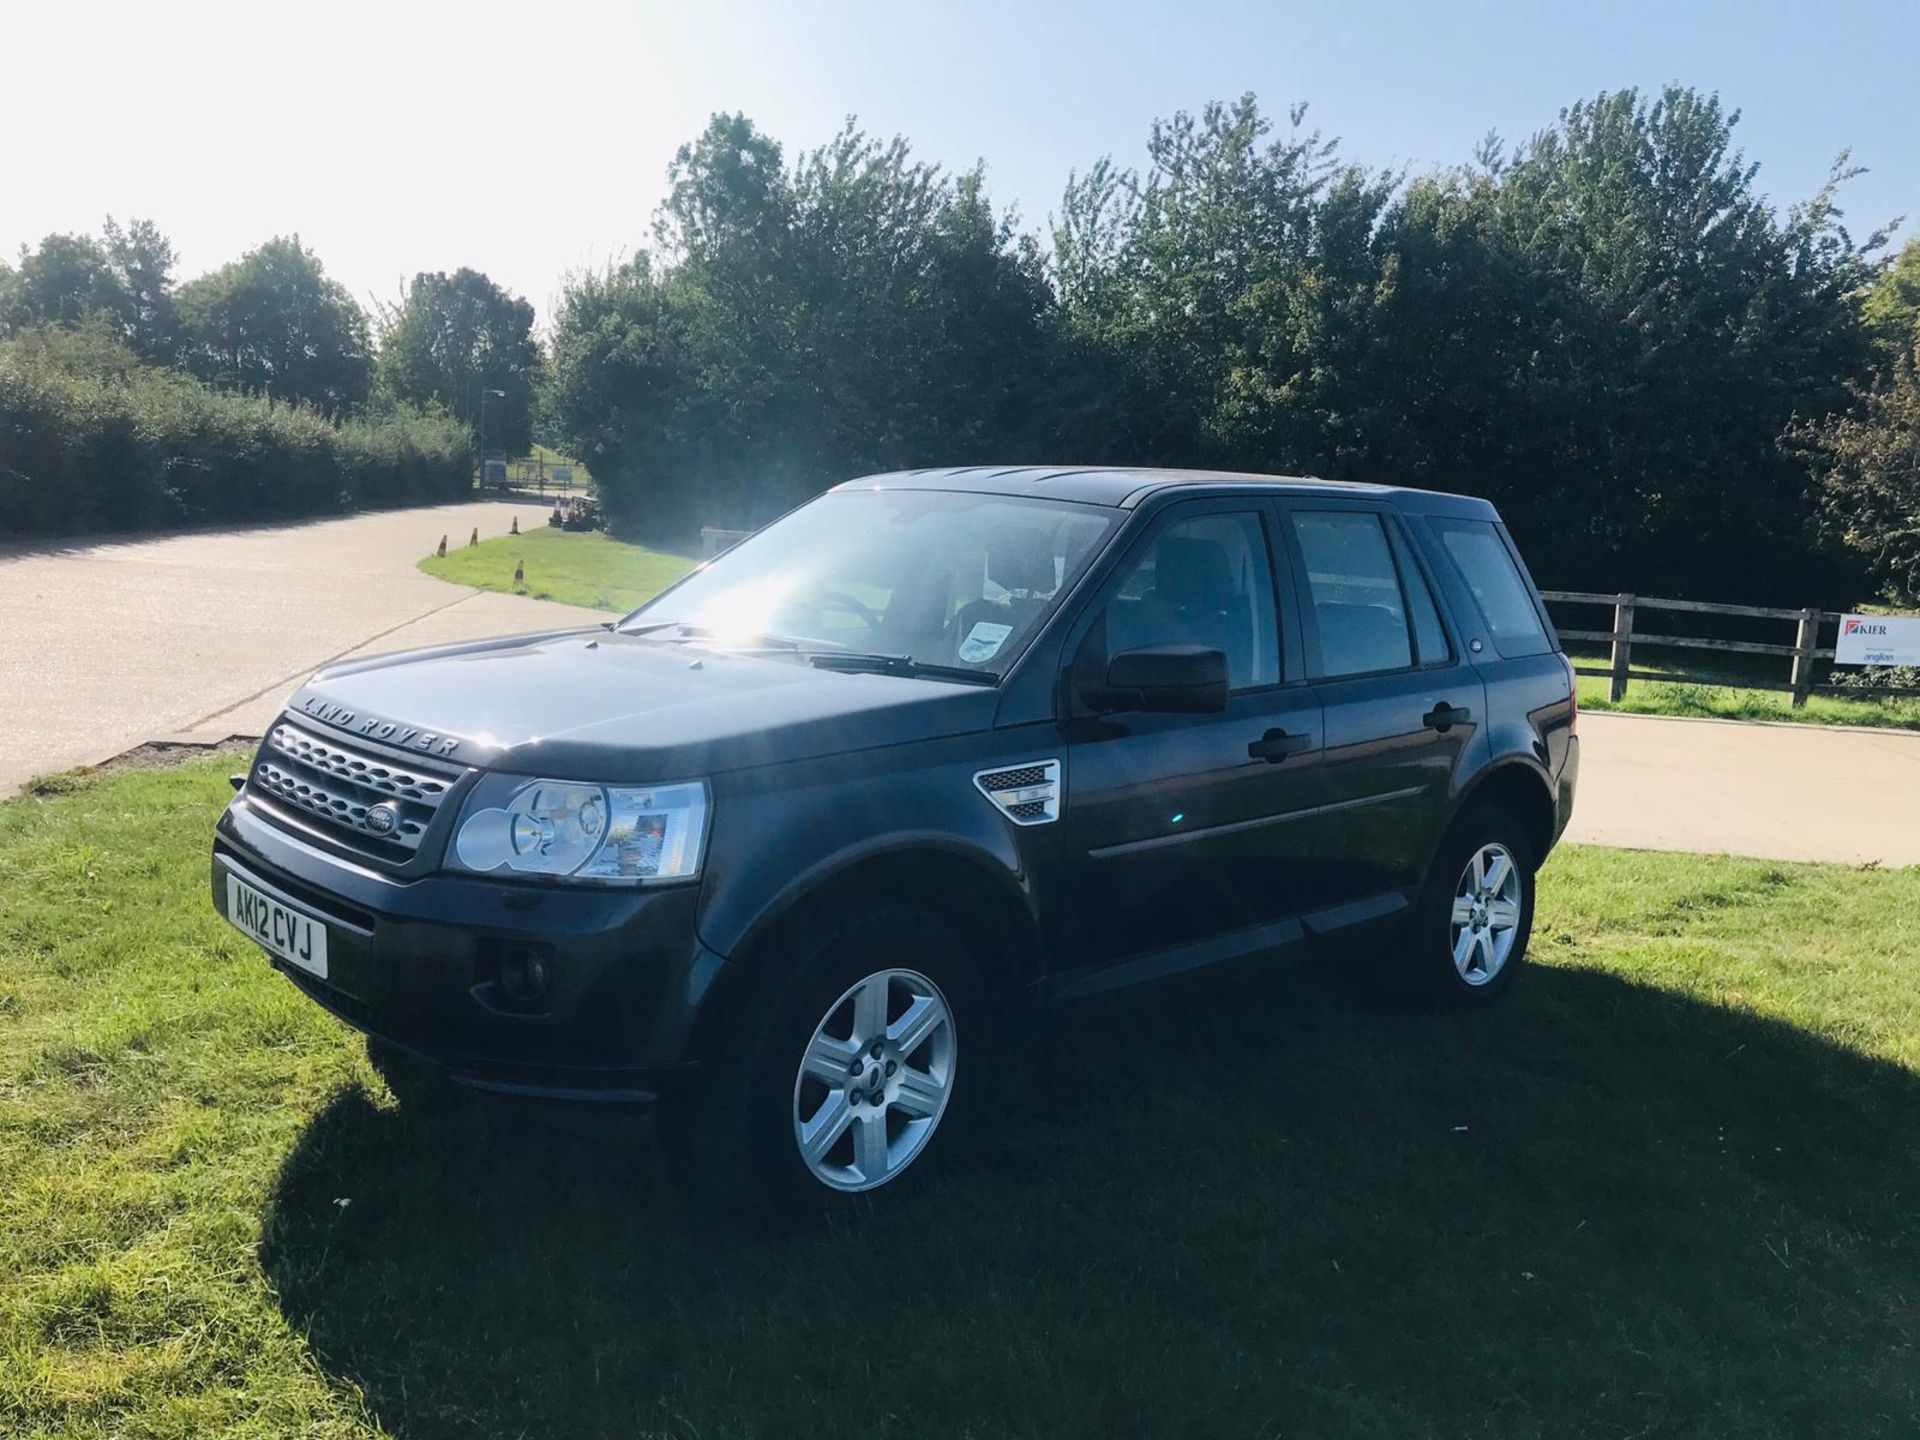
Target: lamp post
[484,393]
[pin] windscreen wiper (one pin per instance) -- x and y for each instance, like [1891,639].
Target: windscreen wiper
[895,665]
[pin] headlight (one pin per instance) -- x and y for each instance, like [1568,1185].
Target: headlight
[617,834]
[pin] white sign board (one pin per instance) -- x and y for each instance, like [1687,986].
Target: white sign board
[1878,640]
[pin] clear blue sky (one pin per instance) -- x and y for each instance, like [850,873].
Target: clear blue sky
[363,126]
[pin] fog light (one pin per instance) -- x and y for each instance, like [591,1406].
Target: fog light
[523,974]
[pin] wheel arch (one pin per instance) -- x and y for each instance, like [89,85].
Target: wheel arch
[1524,791]
[972,893]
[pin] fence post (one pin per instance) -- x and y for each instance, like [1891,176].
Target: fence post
[1804,644]
[1622,646]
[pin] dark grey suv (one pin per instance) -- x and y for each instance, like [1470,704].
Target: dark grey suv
[787,846]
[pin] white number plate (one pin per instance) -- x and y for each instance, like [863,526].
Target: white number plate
[297,938]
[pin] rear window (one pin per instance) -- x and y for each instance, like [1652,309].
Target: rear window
[1358,608]
[1484,562]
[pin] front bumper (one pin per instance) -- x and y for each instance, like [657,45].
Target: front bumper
[420,963]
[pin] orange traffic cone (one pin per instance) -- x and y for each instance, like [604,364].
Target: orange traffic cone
[442,551]
[516,526]
[475,538]
[519,572]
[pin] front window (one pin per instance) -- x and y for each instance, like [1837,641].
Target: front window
[1204,581]
[945,578]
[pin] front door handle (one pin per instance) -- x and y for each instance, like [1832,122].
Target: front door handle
[1443,717]
[1277,745]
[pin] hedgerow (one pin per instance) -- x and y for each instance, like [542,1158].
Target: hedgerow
[91,439]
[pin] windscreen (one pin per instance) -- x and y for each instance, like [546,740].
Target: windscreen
[945,577]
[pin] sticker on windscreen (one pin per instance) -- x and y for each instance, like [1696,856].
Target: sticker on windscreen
[983,641]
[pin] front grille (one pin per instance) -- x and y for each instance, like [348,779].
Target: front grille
[339,784]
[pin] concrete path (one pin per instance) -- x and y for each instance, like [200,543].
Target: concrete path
[1783,792]
[106,643]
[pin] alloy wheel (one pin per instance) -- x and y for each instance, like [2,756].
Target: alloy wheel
[874,1080]
[1485,920]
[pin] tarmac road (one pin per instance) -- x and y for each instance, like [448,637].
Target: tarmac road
[108,643]
[1784,792]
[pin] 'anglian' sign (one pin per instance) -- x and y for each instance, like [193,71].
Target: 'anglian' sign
[1878,640]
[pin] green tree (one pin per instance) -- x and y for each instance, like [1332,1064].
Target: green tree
[273,324]
[1870,460]
[627,393]
[126,277]
[1892,306]
[61,282]
[451,341]
[142,261]
[859,311]
[1226,286]
[1606,329]
[1609,331]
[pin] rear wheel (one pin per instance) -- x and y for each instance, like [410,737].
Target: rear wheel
[1470,928]
[1483,925]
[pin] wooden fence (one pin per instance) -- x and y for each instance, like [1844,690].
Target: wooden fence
[1805,649]
[714,540]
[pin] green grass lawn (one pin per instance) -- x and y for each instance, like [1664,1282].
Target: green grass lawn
[577,568]
[1701,688]
[1669,1189]
[1733,702]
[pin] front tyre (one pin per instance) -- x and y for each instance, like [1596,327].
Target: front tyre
[1475,914]
[850,1081]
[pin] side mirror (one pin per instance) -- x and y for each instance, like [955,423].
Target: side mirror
[1164,680]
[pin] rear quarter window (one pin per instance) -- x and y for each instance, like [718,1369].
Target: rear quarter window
[1479,554]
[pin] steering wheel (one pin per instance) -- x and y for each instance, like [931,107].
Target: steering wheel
[840,600]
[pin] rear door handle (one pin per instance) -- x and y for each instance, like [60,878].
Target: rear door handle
[1277,745]
[1443,717]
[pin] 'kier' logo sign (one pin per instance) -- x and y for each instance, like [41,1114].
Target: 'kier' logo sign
[1878,640]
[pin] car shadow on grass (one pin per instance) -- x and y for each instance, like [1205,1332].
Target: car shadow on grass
[1234,1209]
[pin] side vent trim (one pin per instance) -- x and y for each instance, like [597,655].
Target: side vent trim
[1027,794]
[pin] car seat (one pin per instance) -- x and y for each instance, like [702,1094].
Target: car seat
[1020,562]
